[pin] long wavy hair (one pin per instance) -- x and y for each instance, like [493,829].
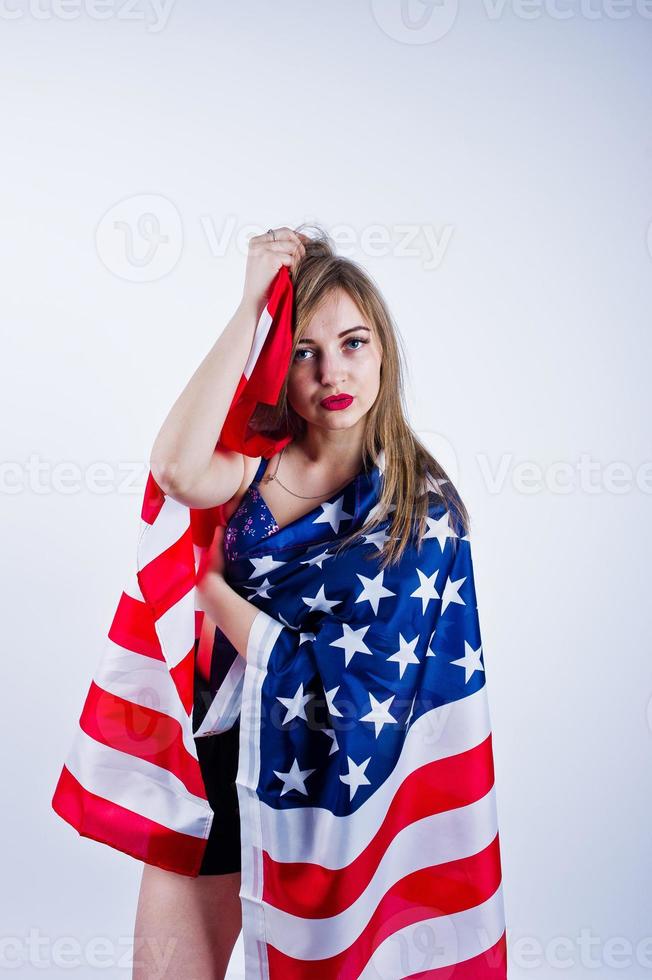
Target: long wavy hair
[409,471]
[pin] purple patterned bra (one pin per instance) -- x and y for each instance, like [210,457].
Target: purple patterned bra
[251,521]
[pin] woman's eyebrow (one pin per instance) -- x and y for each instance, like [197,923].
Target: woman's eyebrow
[307,340]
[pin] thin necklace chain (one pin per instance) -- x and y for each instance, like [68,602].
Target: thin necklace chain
[268,479]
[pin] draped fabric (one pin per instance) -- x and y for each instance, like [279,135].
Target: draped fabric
[369,833]
[131,778]
[369,828]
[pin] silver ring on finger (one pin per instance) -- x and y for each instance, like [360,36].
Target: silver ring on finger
[270,231]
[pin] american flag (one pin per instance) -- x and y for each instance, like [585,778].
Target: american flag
[366,785]
[368,817]
[131,778]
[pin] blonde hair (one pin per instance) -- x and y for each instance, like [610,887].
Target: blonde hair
[408,466]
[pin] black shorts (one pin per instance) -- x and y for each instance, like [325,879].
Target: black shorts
[218,761]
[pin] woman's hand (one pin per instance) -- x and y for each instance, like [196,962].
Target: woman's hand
[212,562]
[265,257]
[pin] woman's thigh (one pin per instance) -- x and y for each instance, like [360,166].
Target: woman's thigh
[185,928]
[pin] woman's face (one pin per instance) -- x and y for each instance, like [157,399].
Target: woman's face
[338,354]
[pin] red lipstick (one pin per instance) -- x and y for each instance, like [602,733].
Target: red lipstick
[334,402]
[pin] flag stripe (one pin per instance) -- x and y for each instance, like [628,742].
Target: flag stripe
[404,872]
[141,732]
[142,681]
[176,628]
[491,964]
[109,823]
[225,706]
[435,839]
[138,785]
[133,628]
[394,937]
[164,534]
[183,678]
[169,576]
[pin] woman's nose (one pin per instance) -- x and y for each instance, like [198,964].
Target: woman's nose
[332,371]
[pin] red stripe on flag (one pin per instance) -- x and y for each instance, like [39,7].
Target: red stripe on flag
[445,784]
[490,965]
[153,500]
[170,576]
[133,628]
[183,677]
[458,885]
[109,823]
[141,732]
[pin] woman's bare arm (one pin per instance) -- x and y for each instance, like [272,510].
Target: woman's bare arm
[185,446]
[233,614]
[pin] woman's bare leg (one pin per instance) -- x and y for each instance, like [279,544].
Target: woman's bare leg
[185,928]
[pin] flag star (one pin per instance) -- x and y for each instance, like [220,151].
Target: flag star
[333,514]
[426,590]
[451,593]
[470,661]
[376,507]
[294,779]
[351,641]
[332,710]
[373,590]
[317,559]
[355,777]
[331,734]
[305,637]
[320,603]
[411,712]
[435,484]
[405,654]
[440,529]
[379,713]
[260,590]
[296,705]
[377,538]
[429,652]
[264,565]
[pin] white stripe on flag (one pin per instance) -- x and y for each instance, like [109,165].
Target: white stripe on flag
[225,706]
[132,588]
[176,629]
[262,636]
[144,681]
[138,785]
[449,836]
[172,521]
[439,942]
[260,336]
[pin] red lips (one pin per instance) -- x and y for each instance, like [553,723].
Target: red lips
[337,401]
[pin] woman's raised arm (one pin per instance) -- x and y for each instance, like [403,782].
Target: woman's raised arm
[185,445]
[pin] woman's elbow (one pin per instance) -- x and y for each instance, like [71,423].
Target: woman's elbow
[167,476]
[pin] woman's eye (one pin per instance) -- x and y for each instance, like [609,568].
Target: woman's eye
[351,340]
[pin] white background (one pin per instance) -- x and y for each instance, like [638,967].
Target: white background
[517,138]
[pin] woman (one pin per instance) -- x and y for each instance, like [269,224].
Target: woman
[340,407]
